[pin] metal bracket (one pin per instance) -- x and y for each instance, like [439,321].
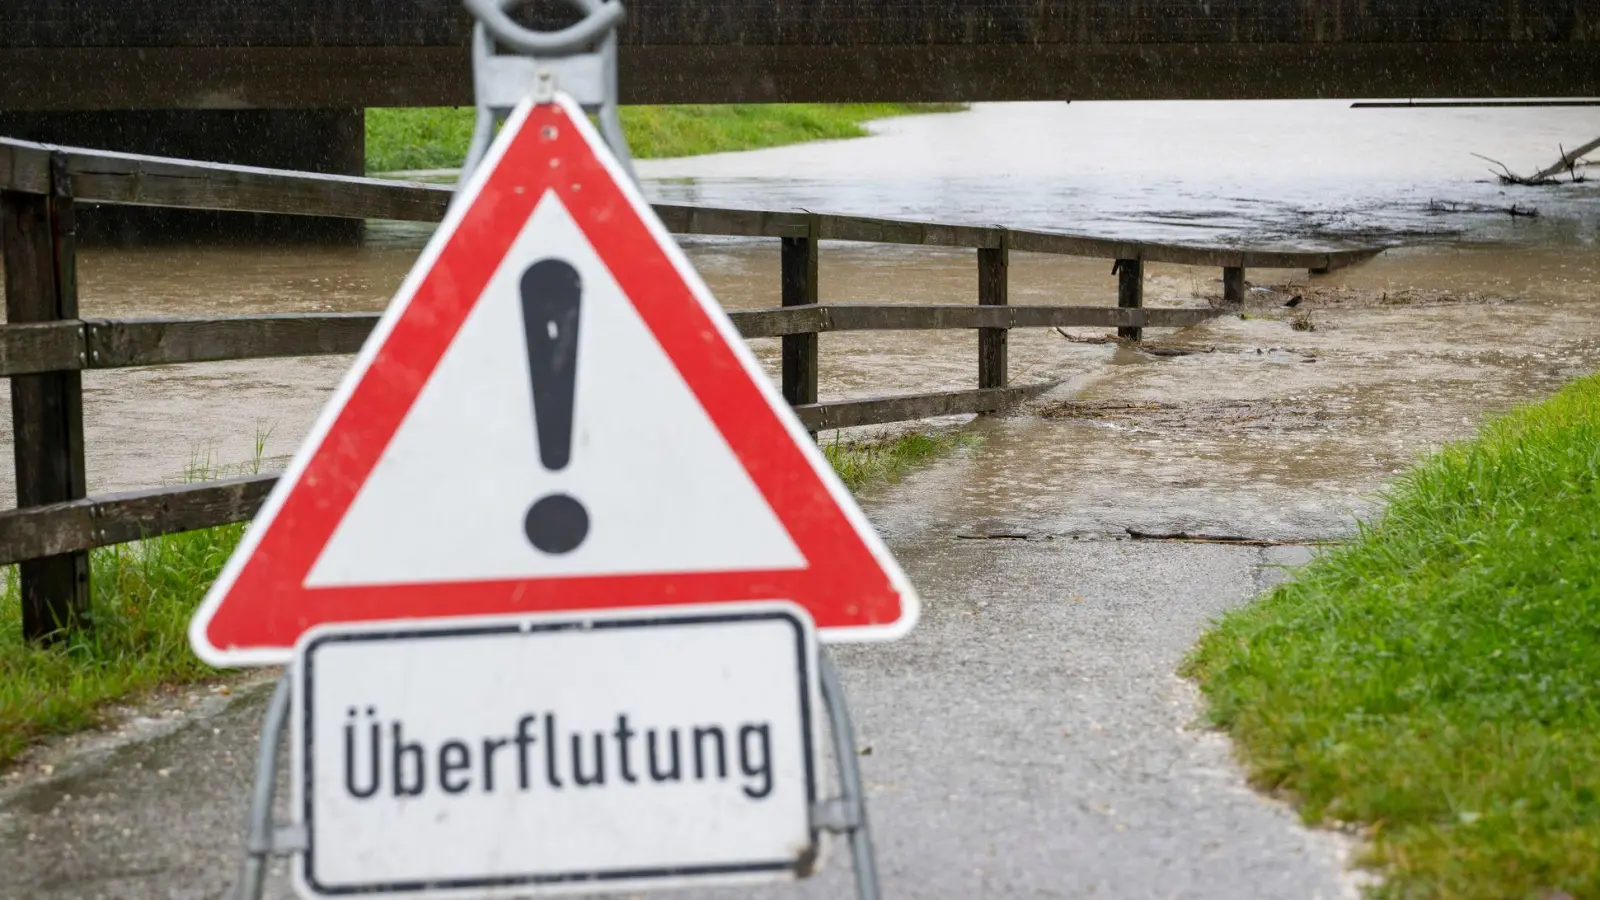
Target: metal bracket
[580,59]
[836,816]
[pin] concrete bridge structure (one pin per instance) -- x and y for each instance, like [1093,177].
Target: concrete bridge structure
[275,54]
[283,82]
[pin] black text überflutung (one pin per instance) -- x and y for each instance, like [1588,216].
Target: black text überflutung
[386,758]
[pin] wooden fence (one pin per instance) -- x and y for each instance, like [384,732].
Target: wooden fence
[45,344]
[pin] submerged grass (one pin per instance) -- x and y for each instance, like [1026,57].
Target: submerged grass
[144,594]
[437,137]
[1438,679]
[861,463]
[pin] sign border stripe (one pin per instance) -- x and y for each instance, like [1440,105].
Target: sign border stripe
[529,626]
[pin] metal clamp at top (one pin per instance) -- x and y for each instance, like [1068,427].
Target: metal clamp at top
[580,59]
[600,16]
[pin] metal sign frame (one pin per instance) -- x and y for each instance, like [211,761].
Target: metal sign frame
[582,59]
[844,814]
[526,631]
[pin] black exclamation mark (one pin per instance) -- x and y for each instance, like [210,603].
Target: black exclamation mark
[551,293]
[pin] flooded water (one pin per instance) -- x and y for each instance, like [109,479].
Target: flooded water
[1266,430]
[1267,171]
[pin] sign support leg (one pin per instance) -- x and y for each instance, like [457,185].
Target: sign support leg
[845,814]
[261,838]
[848,813]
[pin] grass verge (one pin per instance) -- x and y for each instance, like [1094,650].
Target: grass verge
[1438,679]
[143,597]
[144,594]
[437,137]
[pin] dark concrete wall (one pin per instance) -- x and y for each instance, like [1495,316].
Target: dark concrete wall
[101,54]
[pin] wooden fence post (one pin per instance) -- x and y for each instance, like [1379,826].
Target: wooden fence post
[799,268]
[1233,285]
[993,271]
[1130,292]
[37,237]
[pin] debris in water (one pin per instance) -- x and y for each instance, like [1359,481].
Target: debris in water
[1570,163]
[1515,210]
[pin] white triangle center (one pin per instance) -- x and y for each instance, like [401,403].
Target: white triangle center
[662,489]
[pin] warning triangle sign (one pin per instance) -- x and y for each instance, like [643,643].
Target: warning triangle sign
[553,415]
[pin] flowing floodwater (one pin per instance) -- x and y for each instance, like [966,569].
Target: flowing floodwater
[1264,430]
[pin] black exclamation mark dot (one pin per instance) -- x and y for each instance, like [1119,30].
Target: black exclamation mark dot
[551,294]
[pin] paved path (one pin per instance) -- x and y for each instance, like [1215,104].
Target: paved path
[1028,740]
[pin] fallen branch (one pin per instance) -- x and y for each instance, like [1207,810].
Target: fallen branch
[1104,339]
[1547,176]
[1569,162]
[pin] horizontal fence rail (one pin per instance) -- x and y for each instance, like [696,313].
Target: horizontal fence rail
[79,525]
[100,176]
[47,344]
[123,343]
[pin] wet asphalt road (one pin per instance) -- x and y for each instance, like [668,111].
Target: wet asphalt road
[1029,739]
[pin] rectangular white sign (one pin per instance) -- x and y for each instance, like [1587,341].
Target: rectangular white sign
[514,756]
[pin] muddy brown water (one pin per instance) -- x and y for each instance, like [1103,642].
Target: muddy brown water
[1266,430]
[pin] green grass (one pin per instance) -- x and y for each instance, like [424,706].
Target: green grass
[143,595]
[142,598]
[437,137]
[860,463]
[1438,679]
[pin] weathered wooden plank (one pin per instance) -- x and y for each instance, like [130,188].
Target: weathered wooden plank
[770,323]
[43,347]
[1233,285]
[881,410]
[152,342]
[872,229]
[101,176]
[993,286]
[710,220]
[119,343]
[118,518]
[1073,245]
[1183,254]
[78,525]
[1130,293]
[46,408]
[799,288]
[24,167]
[885,317]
